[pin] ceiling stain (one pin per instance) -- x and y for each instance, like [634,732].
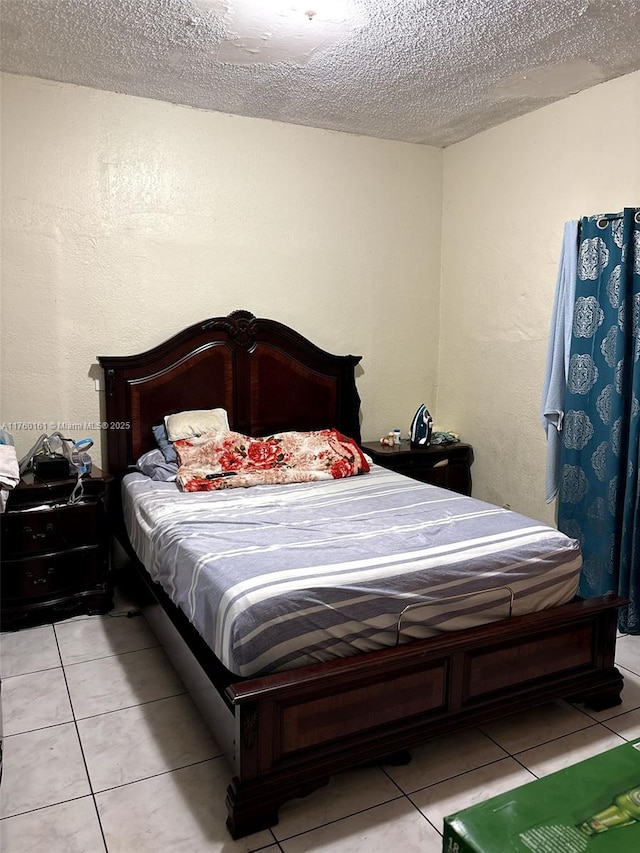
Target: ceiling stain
[425,71]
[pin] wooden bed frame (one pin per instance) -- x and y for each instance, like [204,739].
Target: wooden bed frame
[286,733]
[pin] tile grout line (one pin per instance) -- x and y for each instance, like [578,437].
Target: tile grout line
[267,846]
[108,657]
[428,820]
[459,775]
[416,808]
[161,773]
[43,808]
[84,759]
[136,705]
[364,810]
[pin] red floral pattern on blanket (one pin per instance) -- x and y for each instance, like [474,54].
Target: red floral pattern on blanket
[225,460]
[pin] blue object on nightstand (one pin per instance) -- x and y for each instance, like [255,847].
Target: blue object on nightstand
[421,427]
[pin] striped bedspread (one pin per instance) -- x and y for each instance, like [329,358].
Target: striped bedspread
[276,577]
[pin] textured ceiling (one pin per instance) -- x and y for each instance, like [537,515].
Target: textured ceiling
[425,71]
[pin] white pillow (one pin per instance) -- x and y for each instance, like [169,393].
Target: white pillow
[195,423]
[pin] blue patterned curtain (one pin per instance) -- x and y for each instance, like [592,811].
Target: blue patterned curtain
[599,490]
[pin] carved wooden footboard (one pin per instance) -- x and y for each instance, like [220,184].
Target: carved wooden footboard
[295,729]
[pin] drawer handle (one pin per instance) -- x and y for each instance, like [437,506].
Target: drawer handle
[50,571]
[442,464]
[48,529]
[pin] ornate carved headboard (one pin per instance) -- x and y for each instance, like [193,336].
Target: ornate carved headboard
[267,376]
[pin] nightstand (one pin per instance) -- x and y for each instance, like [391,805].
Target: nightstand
[55,555]
[445,465]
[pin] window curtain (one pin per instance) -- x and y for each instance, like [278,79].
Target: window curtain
[599,487]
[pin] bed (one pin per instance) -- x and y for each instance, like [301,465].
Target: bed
[286,731]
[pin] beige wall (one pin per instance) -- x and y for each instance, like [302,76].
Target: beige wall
[507,194]
[125,220]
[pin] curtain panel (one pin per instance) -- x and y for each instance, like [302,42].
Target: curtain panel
[599,488]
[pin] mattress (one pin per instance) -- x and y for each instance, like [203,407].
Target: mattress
[277,577]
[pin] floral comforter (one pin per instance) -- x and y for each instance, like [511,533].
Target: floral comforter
[224,460]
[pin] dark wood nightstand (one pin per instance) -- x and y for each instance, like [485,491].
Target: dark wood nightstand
[55,555]
[446,465]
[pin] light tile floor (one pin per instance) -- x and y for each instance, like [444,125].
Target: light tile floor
[104,751]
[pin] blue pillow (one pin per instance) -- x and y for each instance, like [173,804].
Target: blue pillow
[155,466]
[162,440]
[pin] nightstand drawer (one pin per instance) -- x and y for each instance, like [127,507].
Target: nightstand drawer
[52,574]
[446,466]
[52,529]
[410,463]
[438,475]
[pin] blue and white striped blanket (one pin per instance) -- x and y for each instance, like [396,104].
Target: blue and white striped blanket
[276,577]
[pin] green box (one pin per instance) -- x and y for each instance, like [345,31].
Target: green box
[590,807]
